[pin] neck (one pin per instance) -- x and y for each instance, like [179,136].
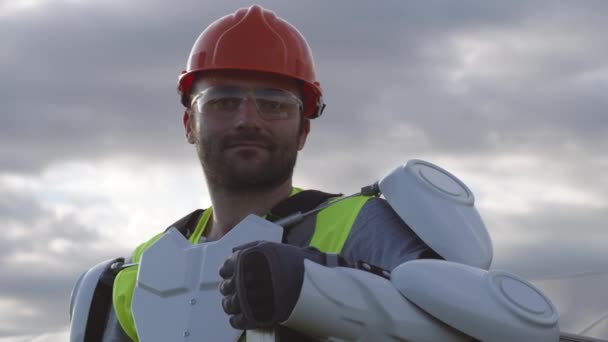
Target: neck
[229,208]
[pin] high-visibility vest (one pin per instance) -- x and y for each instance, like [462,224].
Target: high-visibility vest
[330,228]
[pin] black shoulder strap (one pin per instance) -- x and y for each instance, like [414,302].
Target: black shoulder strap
[303,201]
[101,304]
[187,224]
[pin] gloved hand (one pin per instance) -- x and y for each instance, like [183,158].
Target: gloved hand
[262,282]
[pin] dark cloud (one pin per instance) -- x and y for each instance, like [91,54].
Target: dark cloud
[43,297]
[556,240]
[86,81]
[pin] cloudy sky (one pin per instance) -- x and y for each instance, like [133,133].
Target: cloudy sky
[510,96]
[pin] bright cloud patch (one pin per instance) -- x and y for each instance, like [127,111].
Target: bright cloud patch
[74,215]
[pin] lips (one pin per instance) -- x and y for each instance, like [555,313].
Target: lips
[247,144]
[248,140]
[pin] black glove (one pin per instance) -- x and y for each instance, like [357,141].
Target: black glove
[262,282]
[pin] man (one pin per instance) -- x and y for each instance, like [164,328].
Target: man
[249,115]
[250,91]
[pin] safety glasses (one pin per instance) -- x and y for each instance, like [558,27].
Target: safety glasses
[225,101]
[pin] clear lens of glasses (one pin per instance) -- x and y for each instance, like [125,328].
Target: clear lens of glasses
[224,101]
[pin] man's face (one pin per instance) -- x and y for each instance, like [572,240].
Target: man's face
[245,151]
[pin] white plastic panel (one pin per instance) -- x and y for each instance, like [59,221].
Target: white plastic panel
[440,210]
[488,305]
[176,297]
[345,304]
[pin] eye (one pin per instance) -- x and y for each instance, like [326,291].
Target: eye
[269,106]
[222,105]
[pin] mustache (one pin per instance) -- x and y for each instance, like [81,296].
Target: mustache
[236,139]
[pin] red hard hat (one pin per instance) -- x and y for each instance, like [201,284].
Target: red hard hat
[254,39]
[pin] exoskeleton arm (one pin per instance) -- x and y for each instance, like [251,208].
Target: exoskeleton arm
[424,300]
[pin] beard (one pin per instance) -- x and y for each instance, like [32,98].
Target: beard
[246,170]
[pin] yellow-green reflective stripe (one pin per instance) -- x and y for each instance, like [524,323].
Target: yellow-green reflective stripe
[122,296]
[123,287]
[335,222]
[200,226]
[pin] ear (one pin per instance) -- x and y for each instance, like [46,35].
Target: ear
[188,123]
[303,133]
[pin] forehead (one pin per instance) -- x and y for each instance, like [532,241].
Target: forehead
[246,79]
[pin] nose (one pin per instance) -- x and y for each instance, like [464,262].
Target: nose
[247,116]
